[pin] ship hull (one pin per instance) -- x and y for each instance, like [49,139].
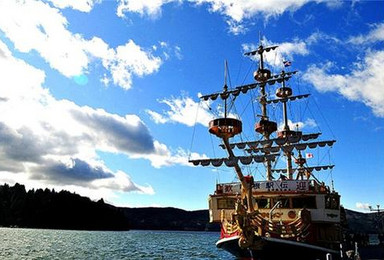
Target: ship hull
[271,249]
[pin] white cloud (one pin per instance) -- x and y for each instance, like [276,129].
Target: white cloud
[80,5]
[129,60]
[285,51]
[236,28]
[163,157]
[365,78]
[178,53]
[296,47]
[56,142]
[156,117]
[182,110]
[143,7]
[333,4]
[375,35]
[319,36]
[36,26]
[364,83]
[361,205]
[239,10]
[169,50]
[308,123]
[122,182]
[236,11]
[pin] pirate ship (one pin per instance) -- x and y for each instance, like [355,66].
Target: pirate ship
[289,214]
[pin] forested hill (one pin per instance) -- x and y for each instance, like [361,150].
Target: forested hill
[56,210]
[65,210]
[168,219]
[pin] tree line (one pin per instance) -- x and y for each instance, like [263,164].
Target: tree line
[56,210]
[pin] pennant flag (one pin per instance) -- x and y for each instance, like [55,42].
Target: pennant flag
[287,63]
[309,155]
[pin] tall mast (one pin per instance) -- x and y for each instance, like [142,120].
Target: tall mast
[262,75]
[226,128]
[225,88]
[284,92]
[264,126]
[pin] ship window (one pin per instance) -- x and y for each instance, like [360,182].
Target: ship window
[263,203]
[225,203]
[304,202]
[332,202]
[284,203]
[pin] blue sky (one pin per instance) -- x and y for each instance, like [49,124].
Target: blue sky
[100,97]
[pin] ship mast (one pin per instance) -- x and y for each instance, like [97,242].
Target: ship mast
[225,88]
[264,126]
[226,128]
[247,185]
[284,92]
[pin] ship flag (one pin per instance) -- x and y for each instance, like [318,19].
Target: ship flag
[287,63]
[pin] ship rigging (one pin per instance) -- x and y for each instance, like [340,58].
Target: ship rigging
[296,212]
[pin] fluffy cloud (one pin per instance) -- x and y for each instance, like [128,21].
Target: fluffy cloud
[130,59]
[243,9]
[364,83]
[36,26]
[365,78]
[71,170]
[164,157]
[285,51]
[143,7]
[236,11]
[375,35]
[55,142]
[361,205]
[80,5]
[182,110]
[308,123]
[125,134]
[239,10]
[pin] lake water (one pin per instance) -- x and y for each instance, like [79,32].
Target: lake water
[18,243]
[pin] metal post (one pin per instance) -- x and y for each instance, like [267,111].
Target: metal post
[341,251]
[379,218]
[357,255]
[329,256]
[273,208]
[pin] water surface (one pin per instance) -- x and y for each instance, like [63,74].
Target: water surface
[18,243]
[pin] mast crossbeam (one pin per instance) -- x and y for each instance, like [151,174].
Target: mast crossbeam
[244,88]
[231,161]
[282,100]
[317,168]
[278,141]
[290,147]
